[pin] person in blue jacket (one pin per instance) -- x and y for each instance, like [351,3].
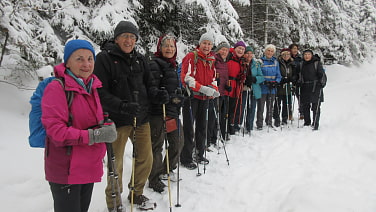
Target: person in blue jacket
[252,86]
[272,76]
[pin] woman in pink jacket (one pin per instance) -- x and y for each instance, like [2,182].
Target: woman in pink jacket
[75,131]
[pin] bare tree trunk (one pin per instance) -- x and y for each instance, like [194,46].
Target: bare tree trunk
[266,22]
[5,44]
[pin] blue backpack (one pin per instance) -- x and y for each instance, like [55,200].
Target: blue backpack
[37,135]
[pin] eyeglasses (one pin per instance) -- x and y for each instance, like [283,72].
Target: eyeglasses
[126,36]
[285,54]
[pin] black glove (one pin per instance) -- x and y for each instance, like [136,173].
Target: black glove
[284,80]
[105,134]
[163,97]
[177,100]
[131,108]
[298,83]
[271,84]
[218,81]
[228,88]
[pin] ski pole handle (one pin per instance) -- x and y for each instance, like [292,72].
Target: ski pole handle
[107,120]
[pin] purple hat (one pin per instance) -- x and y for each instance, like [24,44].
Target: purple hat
[239,43]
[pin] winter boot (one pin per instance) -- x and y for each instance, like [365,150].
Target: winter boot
[157,186]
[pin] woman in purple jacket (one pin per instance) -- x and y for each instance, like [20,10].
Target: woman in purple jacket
[76,133]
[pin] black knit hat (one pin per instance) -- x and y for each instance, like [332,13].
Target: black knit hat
[126,26]
[308,50]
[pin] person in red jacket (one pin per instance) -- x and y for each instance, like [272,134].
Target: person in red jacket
[198,77]
[236,78]
[75,139]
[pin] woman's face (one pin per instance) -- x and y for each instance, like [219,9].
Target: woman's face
[206,46]
[168,48]
[286,55]
[239,51]
[81,63]
[248,56]
[269,53]
[223,52]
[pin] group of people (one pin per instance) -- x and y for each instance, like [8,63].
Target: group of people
[214,90]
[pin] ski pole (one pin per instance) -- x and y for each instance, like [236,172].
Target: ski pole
[192,122]
[226,99]
[293,95]
[179,92]
[287,102]
[135,99]
[299,103]
[112,173]
[317,109]
[220,135]
[206,130]
[167,157]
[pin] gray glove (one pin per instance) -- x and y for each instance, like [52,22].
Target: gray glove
[208,91]
[107,133]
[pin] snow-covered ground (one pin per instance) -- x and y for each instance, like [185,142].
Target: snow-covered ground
[293,170]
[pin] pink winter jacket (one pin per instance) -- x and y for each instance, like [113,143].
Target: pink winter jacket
[83,163]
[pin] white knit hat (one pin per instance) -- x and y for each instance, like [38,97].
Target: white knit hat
[206,36]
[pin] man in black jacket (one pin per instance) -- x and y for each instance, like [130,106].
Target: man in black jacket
[128,86]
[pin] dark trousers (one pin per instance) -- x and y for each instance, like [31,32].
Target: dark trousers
[72,198]
[194,112]
[231,114]
[315,107]
[223,113]
[174,143]
[212,122]
[283,103]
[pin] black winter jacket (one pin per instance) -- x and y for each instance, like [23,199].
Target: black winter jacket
[288,73]
[122,74]
[166,76]
[311,80]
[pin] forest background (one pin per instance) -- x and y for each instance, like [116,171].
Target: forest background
[33,32]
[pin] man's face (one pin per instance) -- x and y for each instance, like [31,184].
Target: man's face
[307,56]
[126,42]
[294,50]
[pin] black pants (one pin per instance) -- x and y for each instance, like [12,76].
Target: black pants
[212,121]
[194,111]
[72,198]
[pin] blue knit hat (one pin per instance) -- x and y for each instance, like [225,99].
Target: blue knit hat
[74,45]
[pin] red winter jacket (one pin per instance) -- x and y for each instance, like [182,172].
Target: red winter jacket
[199,74]
[84,163]
[235,74]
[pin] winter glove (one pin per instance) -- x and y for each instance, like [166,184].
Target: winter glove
[284,80]
[250,80]
[208,91]
[228,88]
[218,81]
[107,133]
[131,108]
[177,100]
[163,97]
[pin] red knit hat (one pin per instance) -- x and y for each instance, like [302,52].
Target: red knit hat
[285,50]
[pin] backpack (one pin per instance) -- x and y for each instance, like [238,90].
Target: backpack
[37,135]
[324,78]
